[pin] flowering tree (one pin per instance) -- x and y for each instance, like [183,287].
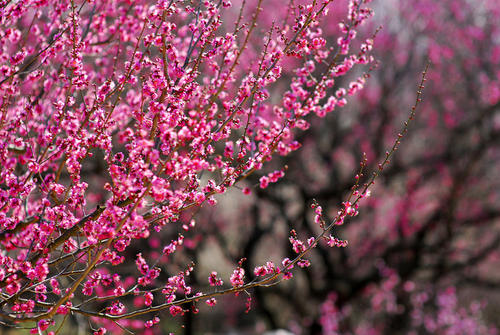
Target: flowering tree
[423,254]
[120,119]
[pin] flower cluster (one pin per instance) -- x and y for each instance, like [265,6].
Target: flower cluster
[119,119]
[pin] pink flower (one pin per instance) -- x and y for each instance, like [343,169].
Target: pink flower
[237,277]
[176,310]
[214,280]
[211,302]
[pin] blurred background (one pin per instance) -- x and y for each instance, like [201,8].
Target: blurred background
[423,254]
